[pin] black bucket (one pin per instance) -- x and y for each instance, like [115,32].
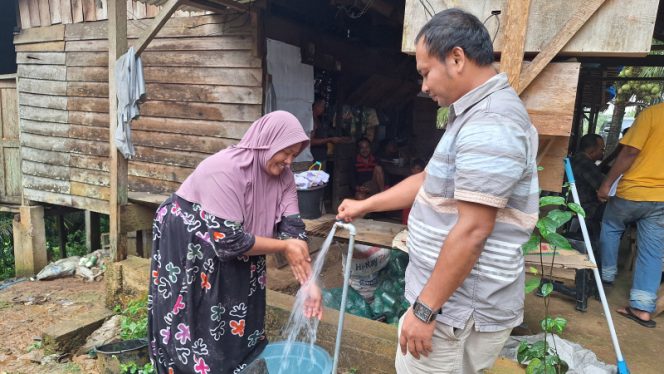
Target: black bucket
[110,356]
[310,202]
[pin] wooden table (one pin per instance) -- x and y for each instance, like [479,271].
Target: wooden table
[568,265]
[369,232]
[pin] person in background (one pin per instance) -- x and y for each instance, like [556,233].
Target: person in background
[639,198]
[320,134]
[369,177]
[473,207]
[206,302]
[606,164]
[416,166]
[389,151]
[588,179]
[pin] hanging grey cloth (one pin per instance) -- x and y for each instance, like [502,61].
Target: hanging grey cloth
[130,89]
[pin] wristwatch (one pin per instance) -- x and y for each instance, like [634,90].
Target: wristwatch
[423,312]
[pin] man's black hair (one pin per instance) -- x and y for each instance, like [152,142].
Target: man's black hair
[588,142]
[456,28]
[624,132]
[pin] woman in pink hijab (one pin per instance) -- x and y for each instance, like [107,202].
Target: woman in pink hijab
[207,290]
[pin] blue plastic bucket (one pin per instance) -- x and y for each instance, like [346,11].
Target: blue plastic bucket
[302,358]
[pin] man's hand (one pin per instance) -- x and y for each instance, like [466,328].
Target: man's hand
[603,192]
[297,255]
[351,209]
[416,335]
[624,162]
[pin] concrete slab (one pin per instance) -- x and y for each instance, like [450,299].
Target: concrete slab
[67,336]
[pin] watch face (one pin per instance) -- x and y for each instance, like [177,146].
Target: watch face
[421,312]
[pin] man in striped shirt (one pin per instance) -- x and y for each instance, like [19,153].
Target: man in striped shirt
[473,207]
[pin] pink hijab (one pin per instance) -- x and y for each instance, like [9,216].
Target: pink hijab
[234,183]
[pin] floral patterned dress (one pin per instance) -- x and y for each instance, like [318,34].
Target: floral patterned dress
[207,300]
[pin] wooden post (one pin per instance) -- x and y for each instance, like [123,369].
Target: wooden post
[117,46]
[29,241]
[92,231]
[147,243]
[511,58]
[139,244]
[62,235]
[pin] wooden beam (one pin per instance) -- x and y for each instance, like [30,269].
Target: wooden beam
[137,217]
[92,231]
[515,40]
[558,42]
[62,235]
[216,5]
[259,33]
[144,198]
[166,11]
[42,34]
[117,46]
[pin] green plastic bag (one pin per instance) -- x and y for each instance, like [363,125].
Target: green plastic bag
[355,303]
[389,300]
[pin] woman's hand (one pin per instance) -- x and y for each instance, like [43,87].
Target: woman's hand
[351,209]
[297,255]
[313,306]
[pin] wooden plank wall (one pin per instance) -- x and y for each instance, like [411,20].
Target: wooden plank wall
[619,28]
[36,13]
[10,171]
[204,90]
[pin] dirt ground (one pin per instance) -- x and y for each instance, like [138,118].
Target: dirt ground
[27,308]
[640,346]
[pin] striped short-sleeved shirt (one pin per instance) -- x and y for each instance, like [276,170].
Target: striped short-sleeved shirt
[487,156]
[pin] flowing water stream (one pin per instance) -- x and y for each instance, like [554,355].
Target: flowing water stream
[299,327]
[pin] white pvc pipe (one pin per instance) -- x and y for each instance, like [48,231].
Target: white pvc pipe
[344,293]
[622,367]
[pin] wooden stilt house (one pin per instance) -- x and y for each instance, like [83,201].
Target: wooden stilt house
[206,75]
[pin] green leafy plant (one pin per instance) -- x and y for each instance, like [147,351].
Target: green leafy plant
[71,367]
[74,230]
[134,322]
[540,357]
[35,345]
[133,368]
[6,246]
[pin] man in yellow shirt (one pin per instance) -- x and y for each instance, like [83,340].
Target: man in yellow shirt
[640,199]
